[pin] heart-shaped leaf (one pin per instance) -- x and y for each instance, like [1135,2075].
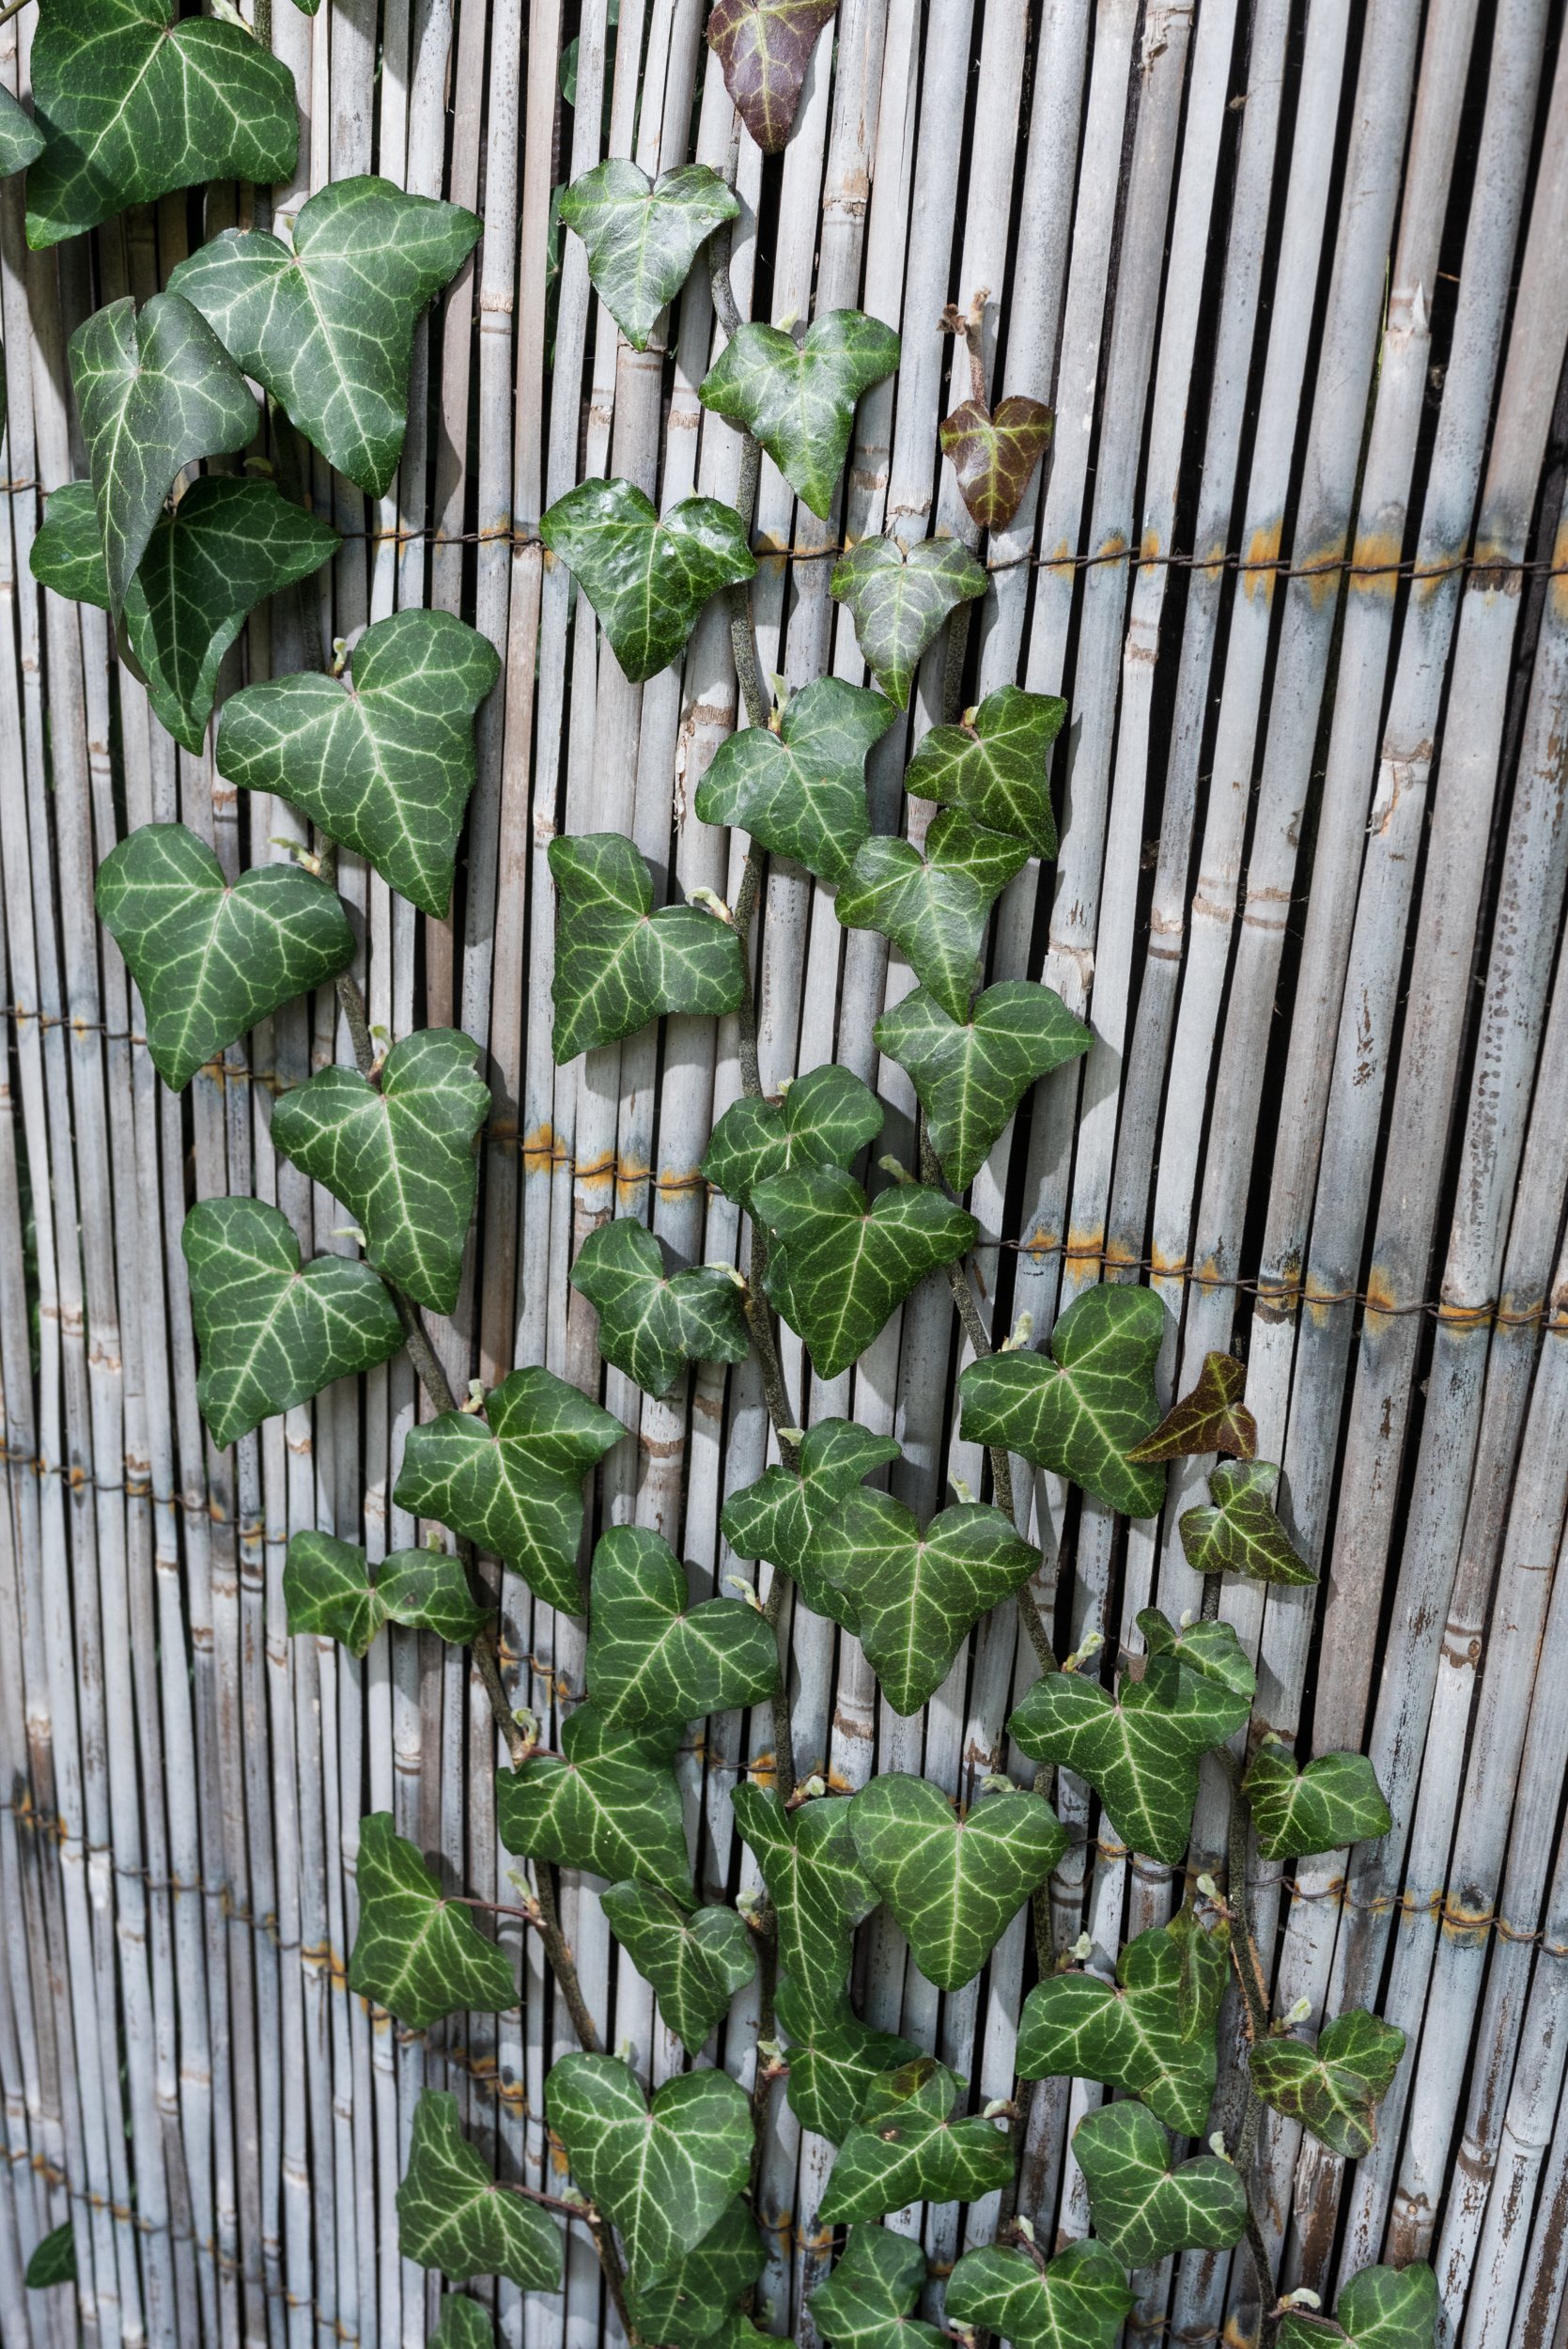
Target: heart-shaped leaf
[1202,1939]
[912,1598]
[1382,2308]
[993,765]
[1334,1800]
[776,1518]
[653,1657]
[417,1954]
[210,957]
[907,2147]
[798,398]
[20,140]
[801,790]
[1211,1418]
[1240,1533]
[512,1479]
[384,760]
[462,2324]
[1078,1410]
[651,1322]
[1208,1649]
[696,1964]
[993,452]
[833,2060]
[155,392]
[54,2260]
[1128,2033]
[1139,1750]
[328,327]
[273,1332]
[330,1591]
[934,906]
[694,2302]
[647,575]
[823,1119]
[1074,2301]
[662,2174]
[953,1884]
[764,47]
[225,548]
[1333,2089]
[898,602]
[607,1803]
[1143,2207]
[453,2215]
[808,1862]
[866,2302]
[969,1075]
[134,106]
[397,1149]
[617,963]
[838,1267]
[643,235]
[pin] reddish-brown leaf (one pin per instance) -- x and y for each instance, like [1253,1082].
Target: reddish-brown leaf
[1213,1418]
[765,47]
[994,451]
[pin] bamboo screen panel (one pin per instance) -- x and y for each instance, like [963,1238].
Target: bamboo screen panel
[1296,279]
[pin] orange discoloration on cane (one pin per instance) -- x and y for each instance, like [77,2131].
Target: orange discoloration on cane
[1374,562]
[1260,559]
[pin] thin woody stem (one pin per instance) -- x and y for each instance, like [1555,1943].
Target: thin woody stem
[585,2211]
[15,10]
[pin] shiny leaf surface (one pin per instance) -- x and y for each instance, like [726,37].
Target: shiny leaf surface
[935,907]
[653,1657]
[908,2147]
[695,1962]
[800,791]
[971,1075]
[824,1119]
[453,2215]
[1141,2206]
[416,1952]
[646,574]
[665,2173]
[643,235]
[1079,1409]
[994,765]
[1237,1531]
[1333,2089]
[331,1593]
[618,964]
[993,452]
[653,1322]
[1211,1417]
[798,398]
[608,1803]
[898,602]
[1334,1800]
[838,1265]
[953,1884]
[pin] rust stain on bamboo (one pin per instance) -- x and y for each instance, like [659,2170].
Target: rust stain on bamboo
[1260,560]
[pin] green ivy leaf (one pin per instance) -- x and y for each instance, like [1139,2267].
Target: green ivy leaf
[867,2301]
[135,106]
[801,790]
[1139,1750]
[764,48]
[1078,1410]
[833,2060]
[383,760]
[327,327]
[651,1322]
[808,1862]
[647,575]
[1382,2308]
[273,1332]
[1333,2089]
[617,963]
[993,765]
[417,1954]
[1074,2301]
[696,1964]
[462,2324]
[838,1267]
[1334,1800]
[798,398]
[653,1657]
[643,235]
[453,2215]
[21,143]
[330,1591]
[953,1884]
[934,906]
[912,1598]
[155,392]
[823,1119]
[1128,2033]
[993,452]
[906,2147]
[969,1075]
[608,1803]
[1212,1417]
[898,602]
[777,1516]
[1143,2207]
[398,1152]
[662,2174]
[225,548]
[1209,1649]
[209,956]
[1203,1946]
[512,1479]
[1240,1533]
[54,2260]
[694,2302]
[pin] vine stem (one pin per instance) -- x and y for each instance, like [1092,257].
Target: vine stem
[1254,1991]
[15,10]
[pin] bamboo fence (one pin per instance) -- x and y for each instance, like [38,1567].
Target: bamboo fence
[1294,275]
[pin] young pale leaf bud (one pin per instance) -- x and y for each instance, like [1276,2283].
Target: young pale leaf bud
[996,1783]
[1299,2014]
[528,1722]
[1302,2297]
[792,1434]
[815,1785]
[1218,2148]
[889,1165]
[964,1492]
[349,1231]
[1209,1890]
[710,898]
[1023,1330]
[745,1590]
[1083,1948]
[1023,2226]
[475,1396]
[1000,2108]
[1080,1657]
[340,655]
[771,2050]
[1189,1618]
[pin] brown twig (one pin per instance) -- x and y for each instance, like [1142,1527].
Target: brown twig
[970,327]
